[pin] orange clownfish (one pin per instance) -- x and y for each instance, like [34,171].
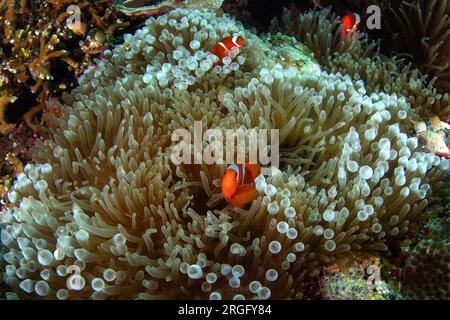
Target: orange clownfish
[350,23]
[226,45]
[238,184]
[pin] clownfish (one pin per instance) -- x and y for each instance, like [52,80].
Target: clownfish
[226,45]
[351,23]
[238,184]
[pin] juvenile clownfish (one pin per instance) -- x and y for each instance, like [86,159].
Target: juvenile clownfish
[238,184]
[226,45]
[351,23]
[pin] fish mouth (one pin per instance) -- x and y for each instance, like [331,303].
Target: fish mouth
[147,7]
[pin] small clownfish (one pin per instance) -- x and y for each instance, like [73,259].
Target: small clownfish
[238,184]
[351,23]
[226,45]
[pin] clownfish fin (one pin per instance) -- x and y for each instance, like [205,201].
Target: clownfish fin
[230,182]
[245,193]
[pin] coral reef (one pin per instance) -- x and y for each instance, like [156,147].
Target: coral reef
[426,272]
[5,99]
[359,282]
[14,150]
[104,213]
[43,53]
[2,272]
[434,136]
[16,167]
[5,185]
[147,8]
[154,8]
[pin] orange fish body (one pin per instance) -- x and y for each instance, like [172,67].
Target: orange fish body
[350,23]
[237,184]
[226,46]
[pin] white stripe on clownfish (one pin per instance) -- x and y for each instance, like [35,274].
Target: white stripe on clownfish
[235,168]
[357,21]
[234,39]
[224,46]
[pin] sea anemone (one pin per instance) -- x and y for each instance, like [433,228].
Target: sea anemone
[104,213]
[422,30]
[360,58]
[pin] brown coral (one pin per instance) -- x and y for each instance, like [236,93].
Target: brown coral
[426,273]
[38,45]
[5,99]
